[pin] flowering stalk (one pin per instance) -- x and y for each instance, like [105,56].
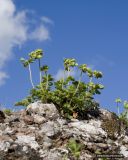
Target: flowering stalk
[30,75]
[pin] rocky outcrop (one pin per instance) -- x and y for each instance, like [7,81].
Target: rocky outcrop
[40,133]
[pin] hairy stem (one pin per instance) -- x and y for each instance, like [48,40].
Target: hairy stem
[40,71]
[118,109]
[30,75]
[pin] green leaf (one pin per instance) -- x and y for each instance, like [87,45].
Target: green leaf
[72,96]
[44,68]
[97,74]
[126,104]
[118,100]
[83,68]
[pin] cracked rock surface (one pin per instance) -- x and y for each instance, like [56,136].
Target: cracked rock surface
[40,133]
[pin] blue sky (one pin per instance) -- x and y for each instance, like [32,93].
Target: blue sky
[93,32]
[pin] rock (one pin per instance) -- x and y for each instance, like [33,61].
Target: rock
[39,119]
[8,131]
[102,145]
[30,141]
[5,138]
[46,110]
[2,117]
[124,151]
[91,129]
[105,114]
[39,132]
[49,129]
[4,146]
[126,131]
[47,143]
[28,120]
[53,156]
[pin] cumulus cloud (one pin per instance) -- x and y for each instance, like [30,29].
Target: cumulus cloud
[14,28]
[60,74]
[41,33]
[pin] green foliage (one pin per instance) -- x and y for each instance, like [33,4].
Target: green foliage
[124,115]
[7,112]
[118,100]
[33,56]
[75,148]
[71,96]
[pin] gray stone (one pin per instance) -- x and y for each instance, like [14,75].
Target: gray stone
[30,141]
[39,132]
[39,119]
[45,110]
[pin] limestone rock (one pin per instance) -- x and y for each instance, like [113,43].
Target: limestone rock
[27,140]
[46,110]
[40,133]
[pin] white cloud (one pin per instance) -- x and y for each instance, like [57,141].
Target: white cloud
[41,33]
[46,20]
[60,74]
[3,77]
[14,28]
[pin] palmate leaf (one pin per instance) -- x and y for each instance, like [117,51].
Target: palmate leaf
[89,72]
[83,68]
[97,74]
[24,62]
[37,54]
[69,62]
[44,68]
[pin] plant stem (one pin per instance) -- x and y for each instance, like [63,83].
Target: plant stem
[63,79]
[40,70]
[118,109]
[30,75]
[47,82]
[77,86]
[68,74]
[78,83]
